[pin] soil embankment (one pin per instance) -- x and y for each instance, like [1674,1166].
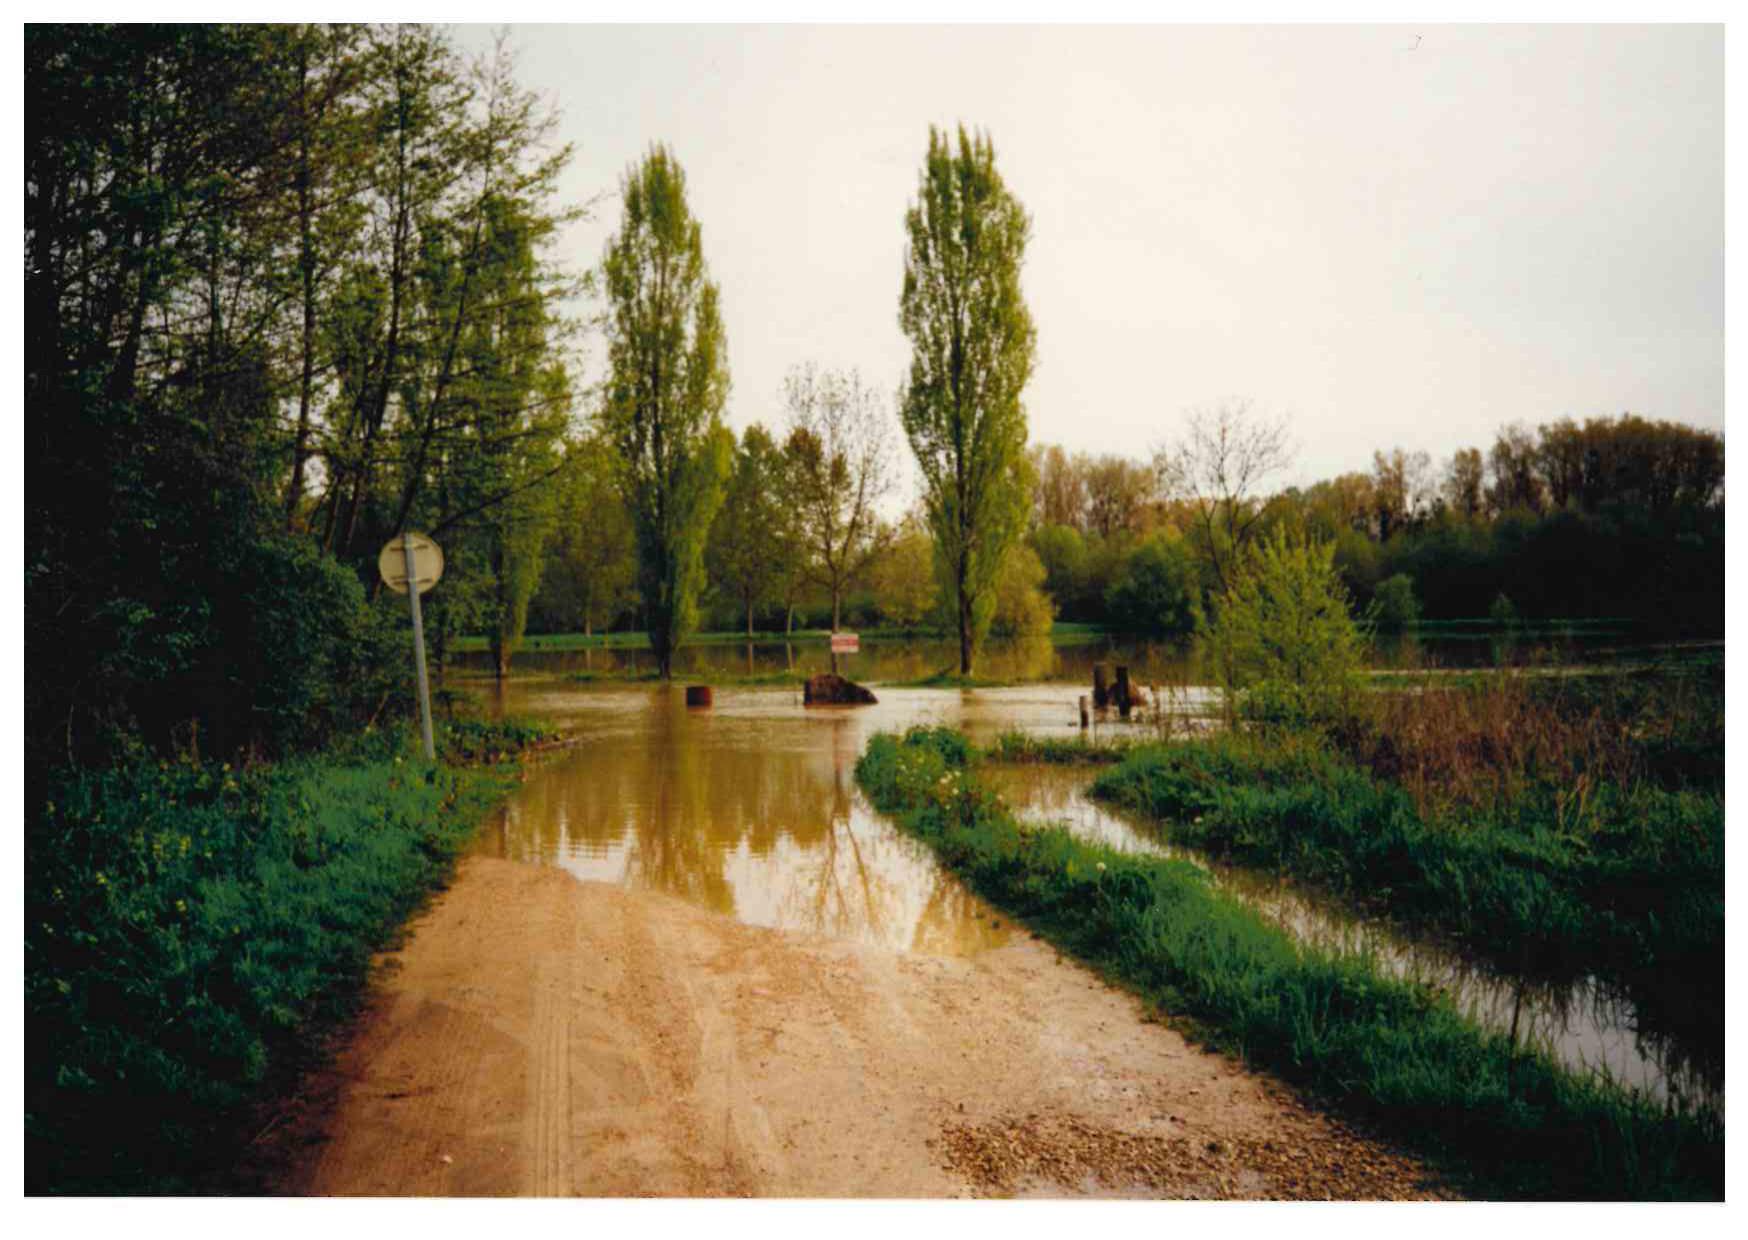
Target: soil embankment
[541,1036]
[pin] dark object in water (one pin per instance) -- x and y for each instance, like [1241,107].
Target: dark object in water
[830,689]
[698,695]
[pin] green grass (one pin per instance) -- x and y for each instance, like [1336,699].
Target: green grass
[190,929]
[1511,1121]
[1025,747]
[1635,885]
[946,678]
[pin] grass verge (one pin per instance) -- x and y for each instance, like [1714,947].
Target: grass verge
[190,929]
[1512,1120]
[1632,885]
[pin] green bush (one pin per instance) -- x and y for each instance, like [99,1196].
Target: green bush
[1157,592]
[1284,642]
[1394,608]
[187,924]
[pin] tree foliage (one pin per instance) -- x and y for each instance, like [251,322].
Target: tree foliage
[1284,640]
[1157,593]
[838,467]
[972,345]
[668,381]
[754,540]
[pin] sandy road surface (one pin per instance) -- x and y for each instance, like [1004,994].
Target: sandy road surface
[542,1036]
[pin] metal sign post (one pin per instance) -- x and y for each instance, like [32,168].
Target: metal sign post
[414,561]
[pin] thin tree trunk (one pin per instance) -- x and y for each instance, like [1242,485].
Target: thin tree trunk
[307,262]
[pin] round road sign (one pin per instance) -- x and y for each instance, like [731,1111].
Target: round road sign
[427,563]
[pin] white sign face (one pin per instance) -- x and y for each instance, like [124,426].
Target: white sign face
[845,643]
[427,563]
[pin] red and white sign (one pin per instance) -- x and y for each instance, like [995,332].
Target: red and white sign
[845,643]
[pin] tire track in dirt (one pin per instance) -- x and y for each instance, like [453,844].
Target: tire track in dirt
[549,1103]
[547,1036]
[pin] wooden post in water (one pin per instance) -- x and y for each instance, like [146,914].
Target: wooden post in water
[1121,692]
[1084,719]
[1101,696]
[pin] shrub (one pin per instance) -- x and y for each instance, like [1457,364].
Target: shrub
[1156,592]
[187,926]
[1285,646]
[1394,604]
[1022,609]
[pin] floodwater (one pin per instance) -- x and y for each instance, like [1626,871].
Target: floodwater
[1067,659]
[1583,1022]
[751,808]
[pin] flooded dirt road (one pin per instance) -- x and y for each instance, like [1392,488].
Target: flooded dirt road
[690,960]
[544,1036]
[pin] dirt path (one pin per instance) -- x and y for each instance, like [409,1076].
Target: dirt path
[541,1036]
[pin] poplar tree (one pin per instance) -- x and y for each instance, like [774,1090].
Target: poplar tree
[666,386]
[972,344]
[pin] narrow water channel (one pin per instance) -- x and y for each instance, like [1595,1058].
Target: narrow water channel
[1583,1023]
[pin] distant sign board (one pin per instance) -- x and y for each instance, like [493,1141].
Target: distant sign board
[427,561]
[845,643]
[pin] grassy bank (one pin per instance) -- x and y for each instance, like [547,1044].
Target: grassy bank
[1025,747]
[190,928]
[1585,832]
[1389,1050]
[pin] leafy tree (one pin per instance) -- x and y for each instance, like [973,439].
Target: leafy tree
[1157,592]
[1063,553]
[838,468]
[1394,605]
[1022,608]
[1060,495]
[904,576]
[591,561]
[1284,640]
[1464,487]
[667,383]
[972,345]
[753,540]
[1118,491]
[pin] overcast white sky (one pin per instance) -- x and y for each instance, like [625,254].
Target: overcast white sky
[1395,236]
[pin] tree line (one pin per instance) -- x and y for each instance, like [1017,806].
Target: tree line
[292,290]
[1617,517]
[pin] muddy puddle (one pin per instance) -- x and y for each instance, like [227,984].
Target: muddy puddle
[1583,1023]
[751,808]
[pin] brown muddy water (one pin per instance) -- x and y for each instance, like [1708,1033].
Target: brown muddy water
[750,809]
[1583,1023]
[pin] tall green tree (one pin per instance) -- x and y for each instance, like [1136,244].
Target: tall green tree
[591,566]
[972,345]
[752,541]
[666,386]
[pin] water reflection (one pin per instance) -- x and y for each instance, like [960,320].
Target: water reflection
[751,809]
[1584,1023]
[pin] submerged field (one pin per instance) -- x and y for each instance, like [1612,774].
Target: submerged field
[1394,1051]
